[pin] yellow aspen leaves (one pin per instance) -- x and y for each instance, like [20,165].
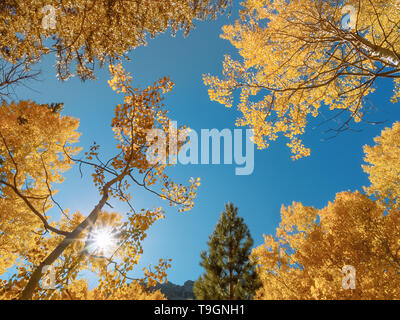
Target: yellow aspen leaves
[36,145]
[383,167]
[32,161]
[305,258]
[299,60]
[82,33]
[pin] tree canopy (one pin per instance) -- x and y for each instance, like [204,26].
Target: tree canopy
[299,61]
[36,149]
[304,260]
[82,32]
[299,58]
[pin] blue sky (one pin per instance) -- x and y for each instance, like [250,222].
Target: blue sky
[334,165]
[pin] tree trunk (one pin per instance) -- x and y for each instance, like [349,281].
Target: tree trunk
[90,220]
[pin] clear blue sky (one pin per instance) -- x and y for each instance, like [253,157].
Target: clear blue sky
[334,165]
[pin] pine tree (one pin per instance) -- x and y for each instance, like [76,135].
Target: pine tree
[230,275]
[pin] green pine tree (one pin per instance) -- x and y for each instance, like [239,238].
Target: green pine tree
[229,274]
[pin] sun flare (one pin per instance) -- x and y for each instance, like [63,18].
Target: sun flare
[104,240]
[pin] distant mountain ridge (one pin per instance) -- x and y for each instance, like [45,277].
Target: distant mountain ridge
[176,292]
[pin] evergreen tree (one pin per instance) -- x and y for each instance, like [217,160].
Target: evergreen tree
[229,274]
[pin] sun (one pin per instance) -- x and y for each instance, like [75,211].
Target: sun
[103,240]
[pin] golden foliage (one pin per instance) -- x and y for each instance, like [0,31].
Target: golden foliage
[35,151]
[111,269]
[79,290]
[32,138]
[142,111]
[84,31]
[384,167]
[298,60]
[304,260]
